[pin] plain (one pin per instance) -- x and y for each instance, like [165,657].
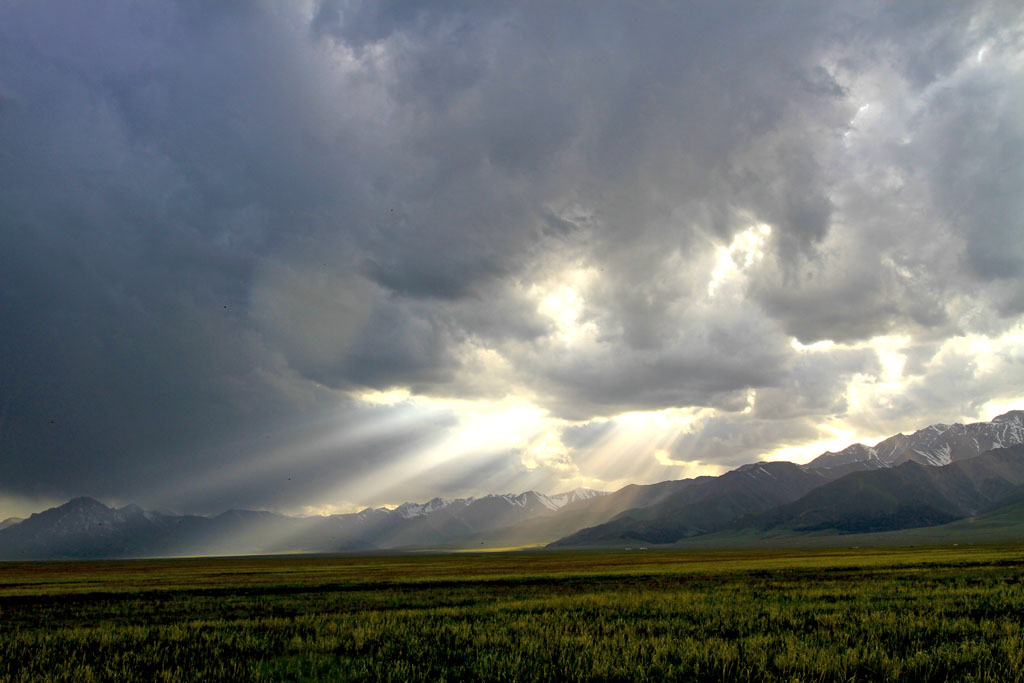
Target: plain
[928,614]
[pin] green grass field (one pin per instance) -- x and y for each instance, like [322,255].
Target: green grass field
[921,614]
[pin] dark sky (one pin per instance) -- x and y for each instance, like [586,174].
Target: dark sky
[316,256]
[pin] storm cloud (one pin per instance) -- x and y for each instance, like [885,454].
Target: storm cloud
[224,226]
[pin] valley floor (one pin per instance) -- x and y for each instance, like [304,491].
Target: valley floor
[923,614]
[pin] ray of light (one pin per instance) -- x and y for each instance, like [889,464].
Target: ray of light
[296,447]
[636,449]
[483,428]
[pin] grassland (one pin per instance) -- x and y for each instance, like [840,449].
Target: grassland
[922,614]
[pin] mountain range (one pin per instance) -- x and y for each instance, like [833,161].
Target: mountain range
[935,476]
[894,464]
[84,527]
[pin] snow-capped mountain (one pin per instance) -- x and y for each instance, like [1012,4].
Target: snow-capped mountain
[904,496]
[577,494]
[526,499]
[936,445]
[411,510]
[532,499]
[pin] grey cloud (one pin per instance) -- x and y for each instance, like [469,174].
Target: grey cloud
[814,385]
[737,440]
[695,371]
[927,214]
[917,358]
[587,434]
[218,216]
[126,280]
[360,23]
[979,171]
[313,313]
[830,299]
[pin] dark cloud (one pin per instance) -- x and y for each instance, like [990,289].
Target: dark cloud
[587,434]
[225,218]
[702,365]
[815,385]
[735,440]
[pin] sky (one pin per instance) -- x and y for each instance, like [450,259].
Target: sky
[317,256]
